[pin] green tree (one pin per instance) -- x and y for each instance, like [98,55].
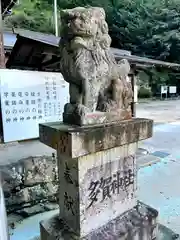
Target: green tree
[32,15]
[147,28]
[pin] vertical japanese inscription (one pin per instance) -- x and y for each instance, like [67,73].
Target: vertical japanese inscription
[105,188]
[67,174]
[68,199]
[69,203]
[18,104]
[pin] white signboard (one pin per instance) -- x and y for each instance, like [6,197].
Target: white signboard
[29,98]
[164,89]
[172,89]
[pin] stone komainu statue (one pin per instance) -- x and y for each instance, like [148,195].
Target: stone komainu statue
[97,82]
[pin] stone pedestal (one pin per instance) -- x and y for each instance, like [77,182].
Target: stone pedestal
[98,182]
[70,116]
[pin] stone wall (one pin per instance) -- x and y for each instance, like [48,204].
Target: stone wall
[30,185]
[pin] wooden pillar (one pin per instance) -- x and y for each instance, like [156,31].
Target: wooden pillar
[132,76]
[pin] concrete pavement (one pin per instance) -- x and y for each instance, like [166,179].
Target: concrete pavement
[159,184]
[160,111]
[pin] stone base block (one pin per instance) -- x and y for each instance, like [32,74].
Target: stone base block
[97,170]
[72,115]
[137,224]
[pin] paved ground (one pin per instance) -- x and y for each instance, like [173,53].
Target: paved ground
[159,183]
[160,111]
[12,152]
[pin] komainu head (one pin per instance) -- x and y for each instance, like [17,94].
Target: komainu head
[87,23]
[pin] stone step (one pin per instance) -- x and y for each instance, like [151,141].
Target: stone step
[167,234]
[146,158]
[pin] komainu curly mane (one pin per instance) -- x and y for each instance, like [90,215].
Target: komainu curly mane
[95,79]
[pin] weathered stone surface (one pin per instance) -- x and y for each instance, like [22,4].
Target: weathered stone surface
[40,170]
[13,208]
[137,224]
[28,172]
[97,176]
[29,182]
[166,233]
[13,220]
[38,208]
[28,212]
[97,187]
[97,83]
[75,141]
[32,195]
[96,117]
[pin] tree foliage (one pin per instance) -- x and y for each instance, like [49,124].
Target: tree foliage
[147,28]
[32,15]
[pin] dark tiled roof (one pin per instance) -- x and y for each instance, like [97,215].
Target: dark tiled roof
[40,37]
[147,61]
[53,41]
[117,51]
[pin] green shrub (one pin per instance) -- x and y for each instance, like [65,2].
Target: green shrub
[144,92]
